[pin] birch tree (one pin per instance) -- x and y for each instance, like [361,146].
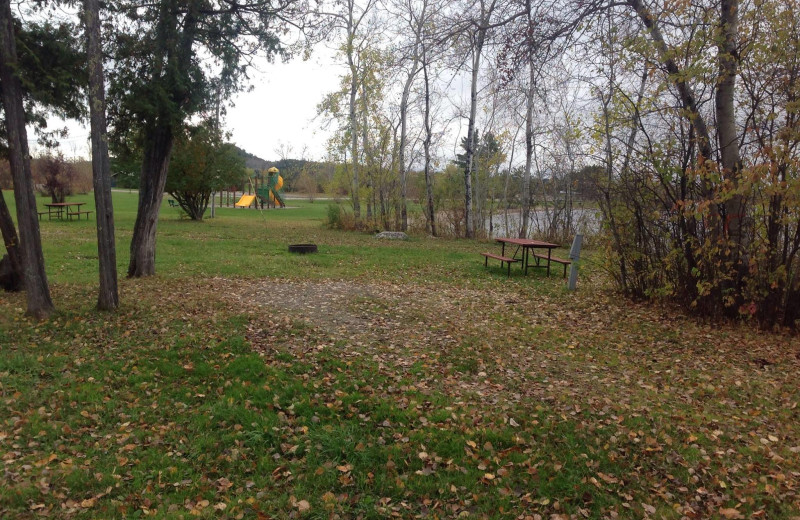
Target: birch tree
[476,32]
[353,20]
[415,15]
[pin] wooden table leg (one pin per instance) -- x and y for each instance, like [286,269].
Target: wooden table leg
[526,255]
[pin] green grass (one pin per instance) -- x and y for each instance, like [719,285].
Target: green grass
[245,243]
[452,391]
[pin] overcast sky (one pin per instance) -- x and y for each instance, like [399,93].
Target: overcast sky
[280,110]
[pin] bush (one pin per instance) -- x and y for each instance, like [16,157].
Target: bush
[55,177]
[339,218]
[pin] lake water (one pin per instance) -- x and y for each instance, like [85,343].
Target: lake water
[587,221]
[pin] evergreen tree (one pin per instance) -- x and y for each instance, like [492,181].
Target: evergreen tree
[49,70]
[173,60]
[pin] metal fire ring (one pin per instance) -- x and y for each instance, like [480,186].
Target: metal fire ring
[302,248]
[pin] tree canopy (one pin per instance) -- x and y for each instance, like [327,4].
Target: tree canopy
[52,73]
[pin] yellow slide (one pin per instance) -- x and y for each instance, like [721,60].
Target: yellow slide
[245,201]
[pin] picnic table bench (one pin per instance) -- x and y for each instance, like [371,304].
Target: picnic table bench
[78,214]
[502,259]
[555,259]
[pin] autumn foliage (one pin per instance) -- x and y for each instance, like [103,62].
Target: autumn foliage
[702,198]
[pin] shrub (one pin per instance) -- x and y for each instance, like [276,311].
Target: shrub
[56,177]
[339,218]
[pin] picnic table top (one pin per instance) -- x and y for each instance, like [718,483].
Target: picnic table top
[527,242]
[63,204]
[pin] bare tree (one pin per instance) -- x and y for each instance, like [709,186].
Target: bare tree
[416,15]
[428,135]
[477,33]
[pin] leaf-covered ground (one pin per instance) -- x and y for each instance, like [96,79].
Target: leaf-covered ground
[281,398]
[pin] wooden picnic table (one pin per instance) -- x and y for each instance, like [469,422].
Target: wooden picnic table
[526,245]
[64,209]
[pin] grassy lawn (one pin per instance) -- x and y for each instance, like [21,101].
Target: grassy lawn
[377,379]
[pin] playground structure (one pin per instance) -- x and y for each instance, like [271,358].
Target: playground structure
[268,193]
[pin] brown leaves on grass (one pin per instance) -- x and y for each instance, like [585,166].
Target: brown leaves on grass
[558,405]
[650,386]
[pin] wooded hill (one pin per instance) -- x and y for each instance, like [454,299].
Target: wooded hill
[290,169]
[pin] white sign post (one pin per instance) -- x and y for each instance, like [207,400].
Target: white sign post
[575,256]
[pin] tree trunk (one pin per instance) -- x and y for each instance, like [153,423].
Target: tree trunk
[526,179]
[159,133]
[507,182]
[470,151]
[426,144]
[352,114]
[40,305]
[11,241]
[370,171]
[155,163]
[726,120]
[402,146]
[689,102]
[108,296]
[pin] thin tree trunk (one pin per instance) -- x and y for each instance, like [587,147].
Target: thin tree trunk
[470,151]
[39,302]
[108,296]
[477,49]
[426,145]
[367,156]
[402,146]
[352,115]
[684,90]
[417,24]
[507,183]
[609,211]
[526,179]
